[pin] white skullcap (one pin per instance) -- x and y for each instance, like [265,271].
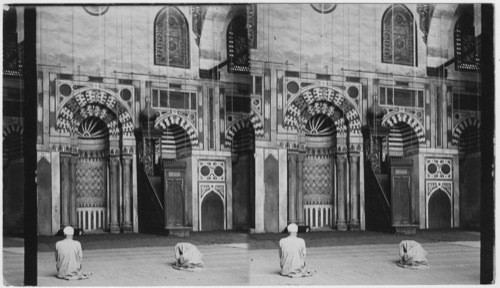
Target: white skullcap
[292,227]
[68,230]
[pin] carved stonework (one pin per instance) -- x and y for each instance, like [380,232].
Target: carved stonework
[432,186]
[425,11]
[220,189]
[438,168]
[211,170]
[252,25]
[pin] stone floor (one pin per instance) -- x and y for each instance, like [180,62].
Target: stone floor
[235,264]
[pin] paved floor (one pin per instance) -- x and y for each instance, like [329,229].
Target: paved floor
[235,264]
[450,263]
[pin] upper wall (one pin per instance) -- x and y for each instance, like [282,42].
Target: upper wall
[122,39]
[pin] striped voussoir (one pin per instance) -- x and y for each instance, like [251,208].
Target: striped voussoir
[256,122]
[401,117]
[185,124]
[231,131]
[461,126]
[11,128]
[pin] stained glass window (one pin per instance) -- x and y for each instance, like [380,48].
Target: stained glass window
[237,47]
[171,38]
[398,36]
[466,58]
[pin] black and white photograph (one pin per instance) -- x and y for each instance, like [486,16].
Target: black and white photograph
[248,143]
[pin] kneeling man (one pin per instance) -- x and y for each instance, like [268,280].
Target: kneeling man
[188,257]
[69,257]
[412,255]
[293,255]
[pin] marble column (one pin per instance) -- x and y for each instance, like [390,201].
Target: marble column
[72,192]
[300,189]
[341,181]
[354,160]
[292,188]
[65,187]
[127,177]
[114,226]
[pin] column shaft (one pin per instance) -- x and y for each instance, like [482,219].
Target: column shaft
[65,187]
[127,223]
[292,188]
[114,227]
[354,160]
[341,181]
[300,189]
[72,192]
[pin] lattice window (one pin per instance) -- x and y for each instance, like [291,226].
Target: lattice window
[237,47]
[398,36]
[171,41]
[465,45]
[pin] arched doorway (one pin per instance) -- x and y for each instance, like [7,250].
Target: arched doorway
[242,150]
[212,212]
[439,210]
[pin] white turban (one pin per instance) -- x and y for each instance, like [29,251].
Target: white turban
[68,230]
[293,228]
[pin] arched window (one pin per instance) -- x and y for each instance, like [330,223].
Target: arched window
[171,38]
[466,58]
[398,36]
[237,46]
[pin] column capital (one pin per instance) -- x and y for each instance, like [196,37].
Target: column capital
[341,157]
[126,160]
[354,157]
[114,160]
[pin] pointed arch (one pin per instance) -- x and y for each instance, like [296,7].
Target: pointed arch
[167,120]
[461,126]
[317,99]
[99,103]
[171,38]
[399,36]
[398,117]
[233,129]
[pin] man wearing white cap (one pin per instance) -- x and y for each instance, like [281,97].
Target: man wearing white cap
[69,256]
[293,255]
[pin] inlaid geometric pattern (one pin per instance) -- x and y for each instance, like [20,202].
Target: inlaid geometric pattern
[322,100]
[317,175]
[397,117]
[96,103]
[438,168]
[231,131]
[256,121]
[432,186]
[90,184]
[220,189]
[460,127]
[211,170]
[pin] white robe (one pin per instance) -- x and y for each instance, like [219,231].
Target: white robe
[68,260]
[188,257]
[292,252]
[412,255]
